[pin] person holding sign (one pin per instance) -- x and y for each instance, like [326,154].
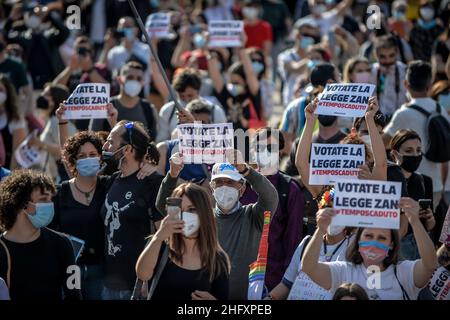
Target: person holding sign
[197,267]
[379,155]
[372,259]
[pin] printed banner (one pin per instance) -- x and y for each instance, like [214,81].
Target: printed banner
[367,203]
[445,233]
[440,284]
[345,99]
[225,33]
[334,162]
[205,143]
[88,101]
[158,25]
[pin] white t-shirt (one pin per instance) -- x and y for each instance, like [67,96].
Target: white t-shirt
[290,79]
[407,118]
[325,21]
[302,287]
[389,287]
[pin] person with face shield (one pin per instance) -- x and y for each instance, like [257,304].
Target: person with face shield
[34,260]
[197,267]
[374,249]
[406,150]
[129,209]
[286,229]
[129,105]
[187,84]
[425,32]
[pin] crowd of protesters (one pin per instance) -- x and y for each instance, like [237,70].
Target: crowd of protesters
[108,185]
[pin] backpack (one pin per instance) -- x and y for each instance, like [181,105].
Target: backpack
[438,130]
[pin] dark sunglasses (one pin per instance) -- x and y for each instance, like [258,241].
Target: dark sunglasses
[129,126]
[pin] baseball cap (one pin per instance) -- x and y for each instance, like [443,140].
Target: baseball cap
[225,170]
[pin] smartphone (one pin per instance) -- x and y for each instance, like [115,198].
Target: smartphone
[174,207]
[118,34]
[425,204]
[78,246]
[82,51]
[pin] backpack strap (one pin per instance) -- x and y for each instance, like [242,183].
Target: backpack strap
[8,261]
[420,109]
[307,239]
[159,269]
[405,294]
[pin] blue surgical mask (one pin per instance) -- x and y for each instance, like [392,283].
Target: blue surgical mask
[88,167]
[43,215]
[199,40]
[426,24]
[235,89]
[444,101]
[305,42]
[258,67]
[313,63]
[129,33]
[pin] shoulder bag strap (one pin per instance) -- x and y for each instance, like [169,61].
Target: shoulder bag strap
[405,294]
[161,265]
[8,261]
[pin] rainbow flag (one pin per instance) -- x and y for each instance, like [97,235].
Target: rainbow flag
[258,268]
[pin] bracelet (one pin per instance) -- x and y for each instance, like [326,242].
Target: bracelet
[245,171]
[64,122]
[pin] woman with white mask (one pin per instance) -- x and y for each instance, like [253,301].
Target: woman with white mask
[194,265]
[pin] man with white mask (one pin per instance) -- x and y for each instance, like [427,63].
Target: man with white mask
[240,226]
[128,103]
[286,227]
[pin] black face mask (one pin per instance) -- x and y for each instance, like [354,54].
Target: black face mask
[411,163]
[42,103]
[326,121]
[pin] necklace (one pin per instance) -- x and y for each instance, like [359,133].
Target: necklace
[329,256]
[87,194]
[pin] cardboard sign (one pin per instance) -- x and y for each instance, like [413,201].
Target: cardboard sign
[205,143]
[306,289]
[367,203]
[158,25]
[27,156]
[334,162]
[225,33]
[440,284]
[345,99]
[445,233]
[88,101]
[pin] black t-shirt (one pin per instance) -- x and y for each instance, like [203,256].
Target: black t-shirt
[127,219]
[39,269]
[419,186]
[234,107]
[395,174]
[82,221]
[440,48]
[177,283]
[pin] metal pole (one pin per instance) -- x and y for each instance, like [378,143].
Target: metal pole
[173,96]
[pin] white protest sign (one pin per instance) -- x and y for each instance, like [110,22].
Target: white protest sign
[158,25]
[306,289]
[345,99]
[445,233]
[334,162]
[225,33]
[205,143]
[440,284]
[367,203]
[88,101]
[27,156]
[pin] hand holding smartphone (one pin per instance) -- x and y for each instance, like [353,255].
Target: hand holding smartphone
[174,208]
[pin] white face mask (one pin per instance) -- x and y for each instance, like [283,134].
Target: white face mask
[226,197]
[191,223]
[32,21]
[132,88]
[250,13]
[335,230]
[319,9]
[427,13]
[3,97]
[268,162]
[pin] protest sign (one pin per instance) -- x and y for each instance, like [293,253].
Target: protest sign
[158,25]
[345,99]
[28,156]
[225,33]
[440,284]
[445,231]
[367,203]
[334,162]
[205,143]
[306,289]
[87,101]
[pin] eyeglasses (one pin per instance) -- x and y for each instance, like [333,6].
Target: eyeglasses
[129,126]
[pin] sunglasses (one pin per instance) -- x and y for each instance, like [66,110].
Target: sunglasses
[129,126]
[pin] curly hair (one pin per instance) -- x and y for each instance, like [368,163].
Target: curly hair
[15,193]
[74,143]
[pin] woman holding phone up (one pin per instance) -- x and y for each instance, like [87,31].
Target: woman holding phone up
[197,267]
